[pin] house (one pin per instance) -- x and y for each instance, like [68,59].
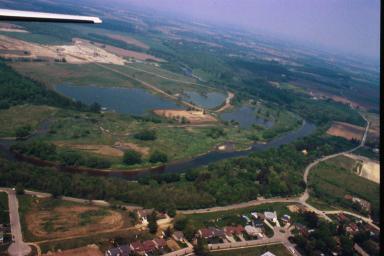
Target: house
[124,250]
[149,246]
[271,216]
[254,215]
[231,230]
[268,253]
[302,229]
[341,217]
[205,233]
[137,247]
[160,243]
[352,228]
[258,223]
[286,218]
[261,216]
[143,214]
[178,236]
[248,220]
[216,232]
[252,231]
[364,204]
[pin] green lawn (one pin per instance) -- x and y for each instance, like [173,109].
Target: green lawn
[278,250]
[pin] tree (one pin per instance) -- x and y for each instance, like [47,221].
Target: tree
[19,189]
[158,156]
[146,135]
[201,248]
[95,107]
[23,131]
[152,224]
[131,157]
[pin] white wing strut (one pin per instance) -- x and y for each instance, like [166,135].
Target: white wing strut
[14,15]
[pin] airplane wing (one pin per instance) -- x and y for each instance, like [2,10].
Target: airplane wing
[14,15]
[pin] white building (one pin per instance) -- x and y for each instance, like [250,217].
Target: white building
[268,254]
[252,231]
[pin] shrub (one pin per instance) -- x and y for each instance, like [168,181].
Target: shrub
[131,157]
[146,135]
[158,156]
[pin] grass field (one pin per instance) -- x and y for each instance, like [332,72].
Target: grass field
[331,183]
[22,115]
[278,250]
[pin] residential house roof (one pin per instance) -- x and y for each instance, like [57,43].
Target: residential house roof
[270,215]
[252,231]
[149,246]
[178,235]
[160,242]
[268,253]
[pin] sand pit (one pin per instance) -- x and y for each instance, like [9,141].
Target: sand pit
[67,221]
[192,117]
[104,150]
[346,130]
[366,167]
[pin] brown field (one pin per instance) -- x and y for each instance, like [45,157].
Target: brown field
[347,131]
[129,40]
[104,150]
[66,221]
[82,251]
[80,52]
[132,146]
[193,117]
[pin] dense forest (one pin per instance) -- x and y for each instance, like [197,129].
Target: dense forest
[276,172]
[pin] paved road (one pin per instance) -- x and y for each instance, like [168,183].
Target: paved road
[18,247]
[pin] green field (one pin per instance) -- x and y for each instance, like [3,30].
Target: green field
[22,115]
[330,183]
[278,250]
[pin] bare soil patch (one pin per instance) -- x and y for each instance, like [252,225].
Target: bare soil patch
[193,117]
[82,251]
[346,130]
[67,221]
[132,146]
[104,150]
[80,52]
[129,40]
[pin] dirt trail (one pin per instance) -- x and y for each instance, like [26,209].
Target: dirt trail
[227,104]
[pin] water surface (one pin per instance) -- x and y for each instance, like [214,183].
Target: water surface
[246,117]
[208,100]
[134,101]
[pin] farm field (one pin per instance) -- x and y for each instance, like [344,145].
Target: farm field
[278,250]
[347,131]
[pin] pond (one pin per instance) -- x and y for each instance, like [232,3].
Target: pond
[207,100]
[246,117]
[134,101]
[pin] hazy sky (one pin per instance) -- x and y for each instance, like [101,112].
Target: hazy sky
[349,25]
